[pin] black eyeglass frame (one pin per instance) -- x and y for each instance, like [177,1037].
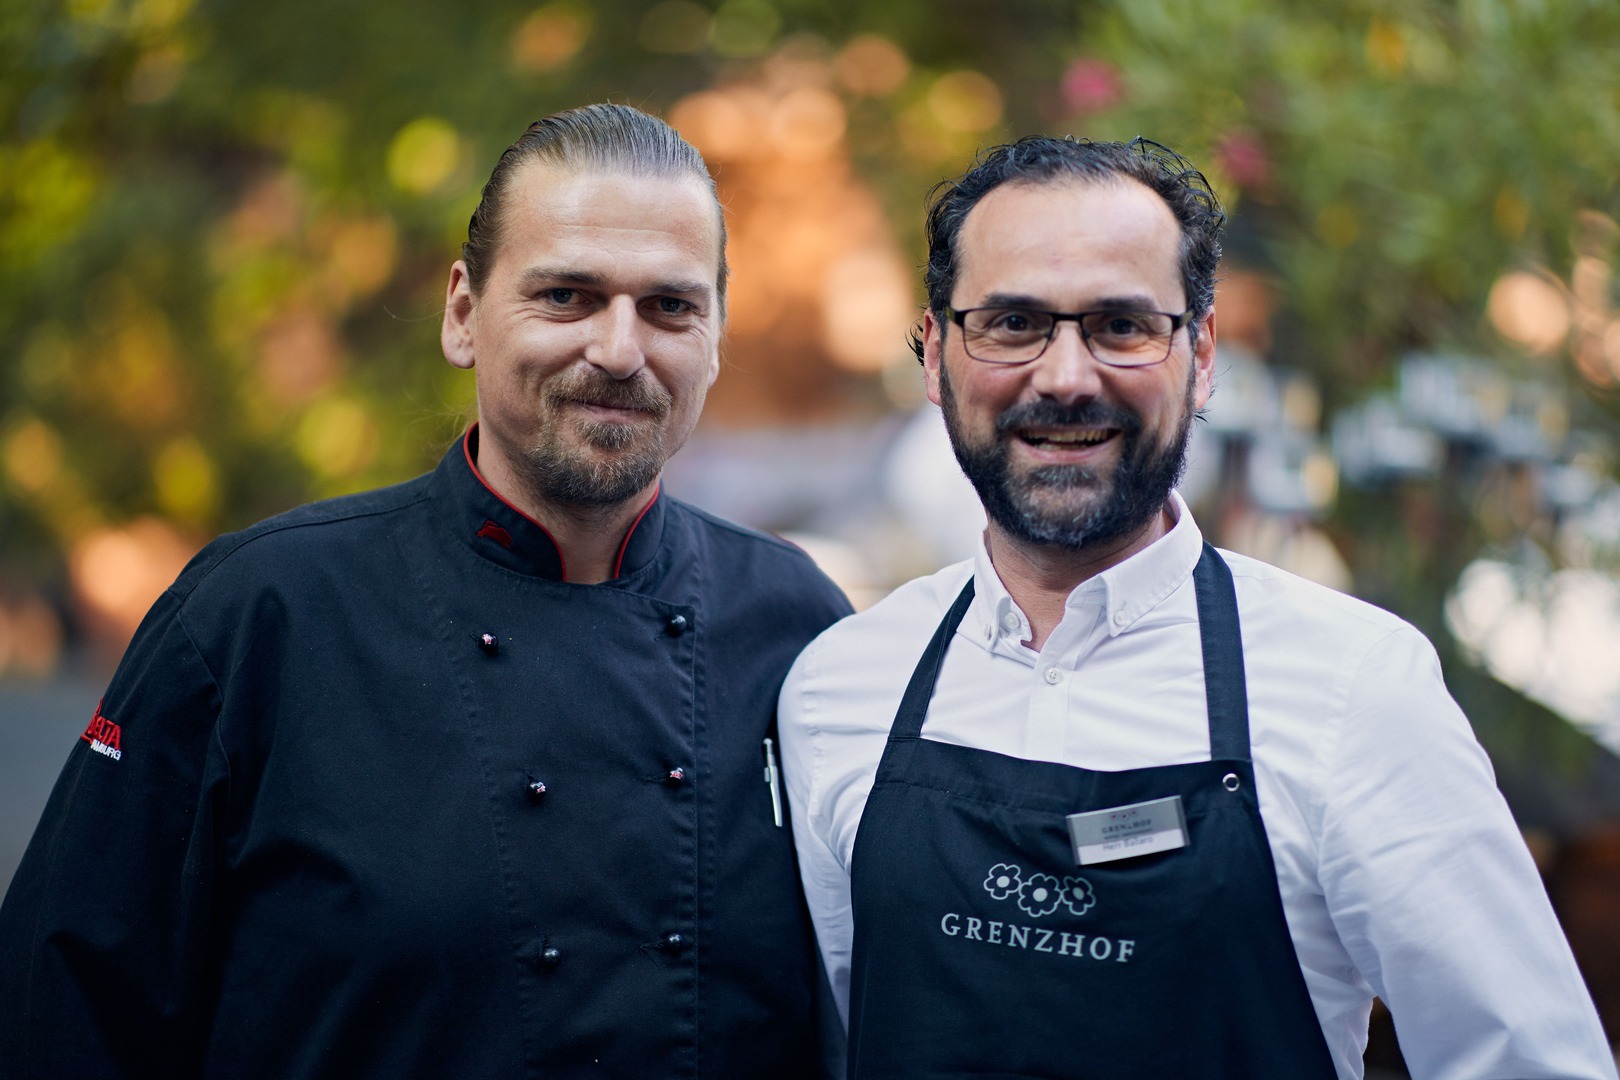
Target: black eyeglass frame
[1076,317]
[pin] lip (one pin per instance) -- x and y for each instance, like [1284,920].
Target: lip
[1066,442]
[622,414]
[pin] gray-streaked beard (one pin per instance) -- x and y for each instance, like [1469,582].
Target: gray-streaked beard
[1121,505]
[570,477]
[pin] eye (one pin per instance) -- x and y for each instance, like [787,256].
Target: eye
[560,297]
[1010,323]
[1123,326]
[674,305]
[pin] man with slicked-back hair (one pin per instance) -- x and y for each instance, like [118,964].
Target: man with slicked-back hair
[471,777]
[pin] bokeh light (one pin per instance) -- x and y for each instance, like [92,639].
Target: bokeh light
[551,36]
[1529,310]
[872,66]
[117,573]
[424,154]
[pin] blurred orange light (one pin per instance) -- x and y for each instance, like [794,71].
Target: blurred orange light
[807,123]
[1386,47]
[299,356]
[1529,310]
[872,66]
[867,308]
[364,253]
[550,37]
[718,123]
[269,212]
[30,637]
[117,573]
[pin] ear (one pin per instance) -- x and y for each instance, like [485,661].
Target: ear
[1204,360]
[456,332]
[933,354]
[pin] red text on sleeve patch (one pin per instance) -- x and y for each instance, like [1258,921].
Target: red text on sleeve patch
[104,736]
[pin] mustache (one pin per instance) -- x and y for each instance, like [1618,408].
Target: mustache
[1054,414]
[592,386]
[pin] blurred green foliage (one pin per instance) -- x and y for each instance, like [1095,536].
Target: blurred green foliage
[225,226]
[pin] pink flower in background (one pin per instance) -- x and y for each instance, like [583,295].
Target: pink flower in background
[1242,156]
[1091,85]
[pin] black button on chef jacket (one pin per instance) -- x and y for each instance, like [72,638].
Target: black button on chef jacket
[377,792]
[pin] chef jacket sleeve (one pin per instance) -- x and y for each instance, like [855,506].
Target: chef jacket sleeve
[1432,890]
[105,958]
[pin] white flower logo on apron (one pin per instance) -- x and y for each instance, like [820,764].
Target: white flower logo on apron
[1039,894]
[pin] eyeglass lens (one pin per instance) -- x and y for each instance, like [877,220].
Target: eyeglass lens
[1017,335]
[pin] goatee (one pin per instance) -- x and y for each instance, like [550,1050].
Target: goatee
[1030,506]
[570,476]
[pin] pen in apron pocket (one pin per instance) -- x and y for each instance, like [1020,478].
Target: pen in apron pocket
[774,779]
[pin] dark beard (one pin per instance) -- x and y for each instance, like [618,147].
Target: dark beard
[569,478]
[1123,504]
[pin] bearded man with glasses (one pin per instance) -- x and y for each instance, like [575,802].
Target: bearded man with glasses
[1104,801]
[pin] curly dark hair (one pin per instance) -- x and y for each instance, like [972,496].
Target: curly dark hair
[1040,159]
[605,137]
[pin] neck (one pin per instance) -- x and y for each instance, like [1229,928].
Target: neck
[1040,577]
[589,538]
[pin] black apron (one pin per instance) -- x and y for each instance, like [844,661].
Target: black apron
[983,949]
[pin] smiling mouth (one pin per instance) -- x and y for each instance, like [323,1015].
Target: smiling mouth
[612,407]
[1066,438]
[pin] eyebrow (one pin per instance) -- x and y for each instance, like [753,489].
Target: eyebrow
[1106,303]
[537,276]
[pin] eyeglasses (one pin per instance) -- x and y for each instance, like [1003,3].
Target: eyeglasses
[1117,337]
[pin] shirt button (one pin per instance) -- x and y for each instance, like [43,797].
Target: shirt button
[1119,617]
[1053,675]
[536,790]
[676,626]
[489,643]
[675,776]
[674,942]
[1009,621]
[550,956]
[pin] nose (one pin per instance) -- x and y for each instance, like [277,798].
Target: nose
[1067,372]
[616,345]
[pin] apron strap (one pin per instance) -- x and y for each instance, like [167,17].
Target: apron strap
[908,721]
[1225,688]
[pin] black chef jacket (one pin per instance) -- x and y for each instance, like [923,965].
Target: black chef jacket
[377,792]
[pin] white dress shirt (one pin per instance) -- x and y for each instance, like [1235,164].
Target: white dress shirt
[1401,870]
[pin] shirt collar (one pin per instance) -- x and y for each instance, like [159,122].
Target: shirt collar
[1124,592]
[503,534]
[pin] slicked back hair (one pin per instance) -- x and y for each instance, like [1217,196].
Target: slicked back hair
[614,139]
[1041,159]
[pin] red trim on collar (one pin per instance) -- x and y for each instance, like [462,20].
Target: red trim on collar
[466,448]
[619,562]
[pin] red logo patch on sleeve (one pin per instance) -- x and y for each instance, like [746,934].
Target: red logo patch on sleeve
[104,736]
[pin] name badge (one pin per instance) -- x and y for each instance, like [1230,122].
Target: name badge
[1124,832]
